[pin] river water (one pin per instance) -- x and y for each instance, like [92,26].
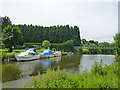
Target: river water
[16,74]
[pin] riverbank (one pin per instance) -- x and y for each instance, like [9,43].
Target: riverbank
[27,70]
[99,77]
[6,56]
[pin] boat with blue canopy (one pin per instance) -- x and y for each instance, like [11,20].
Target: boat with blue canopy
[30,54]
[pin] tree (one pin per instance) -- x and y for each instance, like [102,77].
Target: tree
[105,51]
[76,36]
[105,44]
[11,36]
[93,51]
[117,42]
[5,21]
[68,45]
[46,44]
[93,42]
[83,41]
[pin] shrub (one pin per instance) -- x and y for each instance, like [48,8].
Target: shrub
[18,50]
[85,51]
[46,44]
[8,55]
[66,46]
[23,47]
[29,44]
[117,58]
[41,50]
[53,49]
[94,79]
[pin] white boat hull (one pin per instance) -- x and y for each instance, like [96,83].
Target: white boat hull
[57,54]
[26,58]
[46,56]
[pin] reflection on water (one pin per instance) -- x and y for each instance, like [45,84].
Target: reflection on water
[87,61]
[20,72]
[45,64]
[16,70]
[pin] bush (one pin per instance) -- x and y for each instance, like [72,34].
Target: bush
[29,44]
[66,46]
[8,55]
[18,50]
[85,51]
[4,50]
[53,49]
[102,77]
[23,47]
[41,50]
[5,54]
[117,59]
[46,44]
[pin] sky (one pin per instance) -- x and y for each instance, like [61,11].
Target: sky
[96,19]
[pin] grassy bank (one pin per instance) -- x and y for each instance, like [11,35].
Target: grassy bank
[99,77]
[8,55]
[14,50]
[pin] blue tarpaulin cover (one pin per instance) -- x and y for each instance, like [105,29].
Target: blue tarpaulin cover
[26,48]
[34,49]
[46,52]
[69,52]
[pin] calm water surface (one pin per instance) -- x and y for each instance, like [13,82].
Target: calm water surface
[17,74]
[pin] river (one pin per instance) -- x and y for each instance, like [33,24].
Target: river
[16,74]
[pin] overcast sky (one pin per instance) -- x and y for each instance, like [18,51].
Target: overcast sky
[97,20]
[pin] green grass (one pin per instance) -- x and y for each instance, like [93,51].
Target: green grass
[5,54]
[99,77]
[40,50]
[14,50]
[29,44]
[19,50]
[33,43]
[3,50]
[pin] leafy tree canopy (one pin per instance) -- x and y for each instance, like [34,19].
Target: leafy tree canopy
[105,44]
[6,21]
[54,34]
[92,45]
[117,42]
[11,36]
[46,44]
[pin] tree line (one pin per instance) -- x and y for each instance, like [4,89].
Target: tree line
[20,34]
[93,43]
[54,34]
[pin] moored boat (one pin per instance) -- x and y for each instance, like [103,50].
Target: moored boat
[30,54]
[57,53]
[46,54]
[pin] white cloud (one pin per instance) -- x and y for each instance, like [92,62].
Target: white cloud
[95,19]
